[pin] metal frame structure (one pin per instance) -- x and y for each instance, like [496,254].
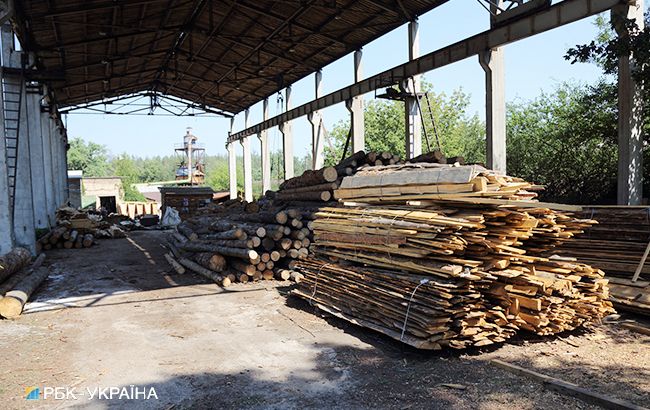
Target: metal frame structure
[202,58]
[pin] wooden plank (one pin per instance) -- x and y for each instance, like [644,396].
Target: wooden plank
[570,389]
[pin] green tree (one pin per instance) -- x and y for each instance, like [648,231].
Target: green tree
[89,157]
[565,140]
[124,167]
[458,132]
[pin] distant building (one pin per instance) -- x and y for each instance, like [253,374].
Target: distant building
[74,188]
[104,192]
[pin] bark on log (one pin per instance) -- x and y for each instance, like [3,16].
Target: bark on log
[212,261]
[72,237]
[11,306]
[172,262]
[57,233]
[311,177]
[88,240]
[187,231]
[247,254]
[236,233]
[323,196]
[13,261]
[240,266]
[9,284]
[193,266]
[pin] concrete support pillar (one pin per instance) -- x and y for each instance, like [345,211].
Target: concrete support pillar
[412,119]
[232,164]
[6,221]
[264,150]
[630,110]
[56,171]
[37,160]
[317,128]
[50,202]
[287,140]
[355,106]
[23,200]
[495,106]
[248,164]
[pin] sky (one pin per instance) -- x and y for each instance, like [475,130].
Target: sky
[531,65]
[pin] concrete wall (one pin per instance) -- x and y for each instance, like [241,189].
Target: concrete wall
[98,187]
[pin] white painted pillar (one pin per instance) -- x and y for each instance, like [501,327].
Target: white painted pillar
[412,119]
[287,140]
[232,164]
[630,114]
[6,221]
[23,200]
[37,161]
[64,168]
[55,163]
[495,105]
[50,203]
[248,163]
[317,128]
[264,150]
[355,106]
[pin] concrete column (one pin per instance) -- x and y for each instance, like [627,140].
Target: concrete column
[56,163]
[630,114]
[37,161]
[287,140]
[248,164]
[232,164]
[412,119]
[495,105]
[6,221]
[264,150]
[317,129]
[23,200]
[50,203]
[355,106]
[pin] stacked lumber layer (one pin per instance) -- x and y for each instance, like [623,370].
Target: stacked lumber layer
[432,181]
[235,246]
[617,243]
[318,185]
[490,251]
[77,229]
[18,281]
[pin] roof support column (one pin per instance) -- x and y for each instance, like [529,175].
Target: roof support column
[413,120]
[287,140]
[232,164]
[355,106]
[317,128]
[56,164]
[36,155]
[6,222]
[630,107]
[23,199]
[50,203]
[264,150]
[248,164]
[491,61]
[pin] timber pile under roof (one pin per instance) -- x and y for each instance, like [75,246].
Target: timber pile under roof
[226,55]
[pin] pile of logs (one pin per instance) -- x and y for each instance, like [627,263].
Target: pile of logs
[446,271]
[235,246]
[77,229]
[17,281]
[318,185]
[620,245]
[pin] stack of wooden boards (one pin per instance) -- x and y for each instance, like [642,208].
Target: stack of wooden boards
[618,244]
[236,246]
[77,229]
[17,281]
[436,271]
[318,185]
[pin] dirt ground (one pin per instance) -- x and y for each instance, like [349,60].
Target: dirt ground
[114,315]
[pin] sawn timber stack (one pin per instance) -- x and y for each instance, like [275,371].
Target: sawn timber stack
[449,256]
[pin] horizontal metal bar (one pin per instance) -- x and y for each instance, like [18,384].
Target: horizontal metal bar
[559,14]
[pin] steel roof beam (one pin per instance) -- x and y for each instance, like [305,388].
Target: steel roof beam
[557,15]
